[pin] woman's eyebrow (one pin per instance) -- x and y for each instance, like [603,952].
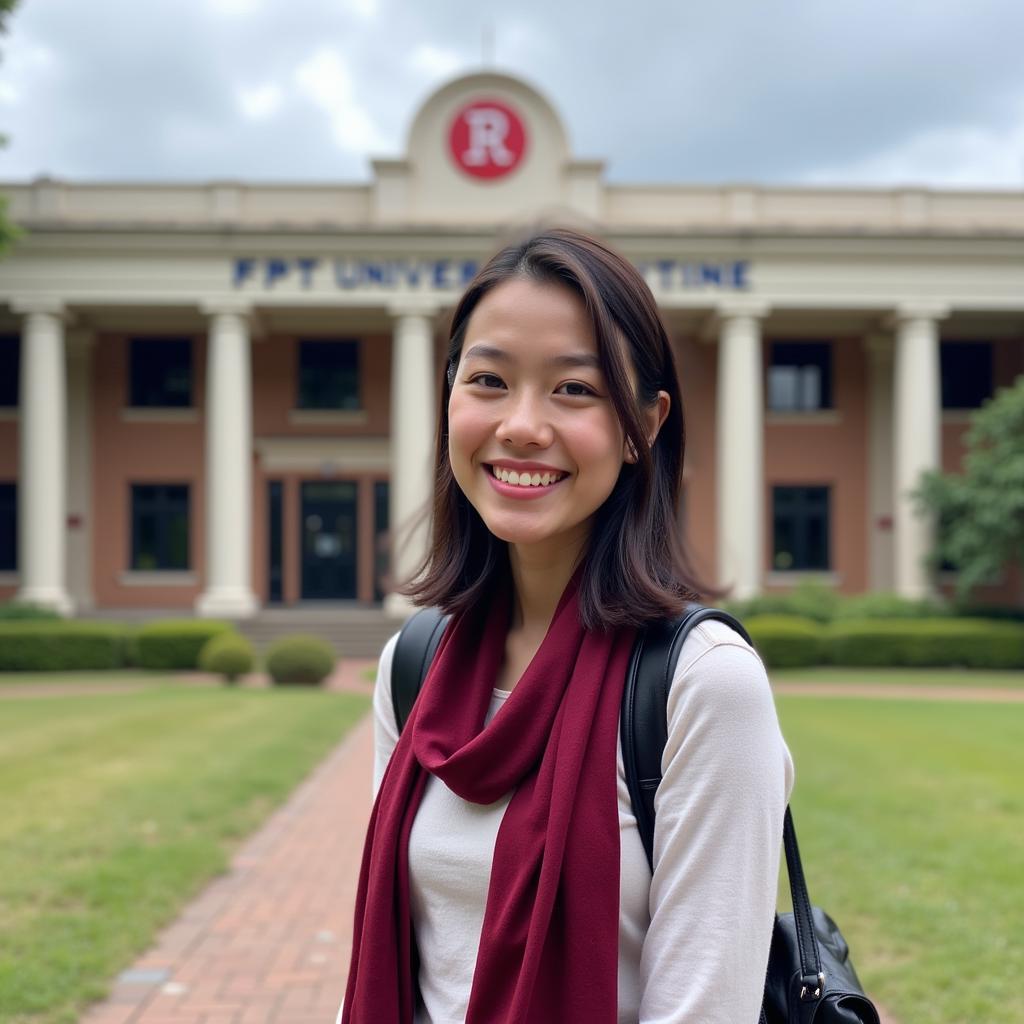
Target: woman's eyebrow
[586,359]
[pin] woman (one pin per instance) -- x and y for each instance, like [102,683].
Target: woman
[503,877]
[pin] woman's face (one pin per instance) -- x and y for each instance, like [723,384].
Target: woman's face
[529,403]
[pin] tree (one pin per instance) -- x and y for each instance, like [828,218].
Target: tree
[8,232]
[980,511]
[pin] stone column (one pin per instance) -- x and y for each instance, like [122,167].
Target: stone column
[739,434]
[42,485]
[228,571]
[413,424]
[918,415]
[879,349]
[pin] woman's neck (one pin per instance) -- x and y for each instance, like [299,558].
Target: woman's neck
[540,573]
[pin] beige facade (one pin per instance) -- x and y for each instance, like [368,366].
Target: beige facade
[811,328]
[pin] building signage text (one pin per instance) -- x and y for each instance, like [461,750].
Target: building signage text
[316,274]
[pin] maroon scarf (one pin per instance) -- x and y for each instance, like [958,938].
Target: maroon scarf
[549,945]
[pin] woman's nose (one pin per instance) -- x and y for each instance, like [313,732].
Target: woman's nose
[524,422]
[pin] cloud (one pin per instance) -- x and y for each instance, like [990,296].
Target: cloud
[435,61]
[732,91]
[326,80]
[261,101]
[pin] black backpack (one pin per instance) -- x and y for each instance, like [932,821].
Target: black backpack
[810,976]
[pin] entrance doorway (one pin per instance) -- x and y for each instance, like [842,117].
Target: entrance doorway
[329,548]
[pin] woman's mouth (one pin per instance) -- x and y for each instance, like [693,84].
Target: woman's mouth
[525,484]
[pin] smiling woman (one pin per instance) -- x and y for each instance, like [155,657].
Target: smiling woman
[504,877]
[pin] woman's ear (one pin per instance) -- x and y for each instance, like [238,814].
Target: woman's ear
[654,417]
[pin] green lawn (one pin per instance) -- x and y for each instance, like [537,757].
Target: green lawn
[87,678]
[904,677]
[911,822]
[114,810]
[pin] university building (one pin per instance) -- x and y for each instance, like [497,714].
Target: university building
[221,397]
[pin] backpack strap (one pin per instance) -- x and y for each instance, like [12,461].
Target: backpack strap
[643,722]
[417,644]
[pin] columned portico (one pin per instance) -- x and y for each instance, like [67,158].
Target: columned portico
[917,411]
[42,490]
[739,433]
[413,401]
[228,591]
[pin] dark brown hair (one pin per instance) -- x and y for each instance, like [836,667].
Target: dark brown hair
[636,567]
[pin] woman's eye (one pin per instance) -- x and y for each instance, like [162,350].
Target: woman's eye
[575,389]
[487,380]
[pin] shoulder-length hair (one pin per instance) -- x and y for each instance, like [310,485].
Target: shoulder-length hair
[636,565]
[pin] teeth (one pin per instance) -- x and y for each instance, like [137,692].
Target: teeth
[512,476]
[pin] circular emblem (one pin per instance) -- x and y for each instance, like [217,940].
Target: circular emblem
[487,139]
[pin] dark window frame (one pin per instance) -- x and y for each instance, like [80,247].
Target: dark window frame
[321,386]
[962,385]
[162,501]
[9,520]
[10,371]
[802,355]
[806,507]
[145,388]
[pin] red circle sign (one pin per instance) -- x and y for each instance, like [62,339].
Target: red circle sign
[487,139]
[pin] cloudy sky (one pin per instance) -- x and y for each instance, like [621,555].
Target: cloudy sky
[877,92]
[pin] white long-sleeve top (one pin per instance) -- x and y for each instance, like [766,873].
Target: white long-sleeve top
[694,938]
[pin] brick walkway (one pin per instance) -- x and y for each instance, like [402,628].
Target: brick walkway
[269,942]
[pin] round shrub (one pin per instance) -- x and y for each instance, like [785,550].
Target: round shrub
[44,646]
[227,654]
[926,643]
[787,641]
[175,643]
[808,600]
[300,659]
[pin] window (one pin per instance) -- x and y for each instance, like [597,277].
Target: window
[801,528]
[160,372]
[8,527]
[329,375]
[966,373]
[10,369]
[800,376]
[160,523]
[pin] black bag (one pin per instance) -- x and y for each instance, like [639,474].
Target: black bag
[810,977]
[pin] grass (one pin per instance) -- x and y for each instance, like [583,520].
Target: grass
[86,678]
[911,823]
[115,809]
[902,677]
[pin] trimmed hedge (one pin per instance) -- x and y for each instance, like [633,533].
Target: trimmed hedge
[227,654]
[46,646]
[300,659]
[787,641]
[971,643]
[175,643]
[22,611]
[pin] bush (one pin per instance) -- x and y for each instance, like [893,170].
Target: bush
[887,606]
[45,646]
[949,642]
[23,611]
[786,641]
[300,659]
[175,643]
[228,654]
[808,600]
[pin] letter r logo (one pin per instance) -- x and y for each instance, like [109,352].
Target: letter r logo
[487,139]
